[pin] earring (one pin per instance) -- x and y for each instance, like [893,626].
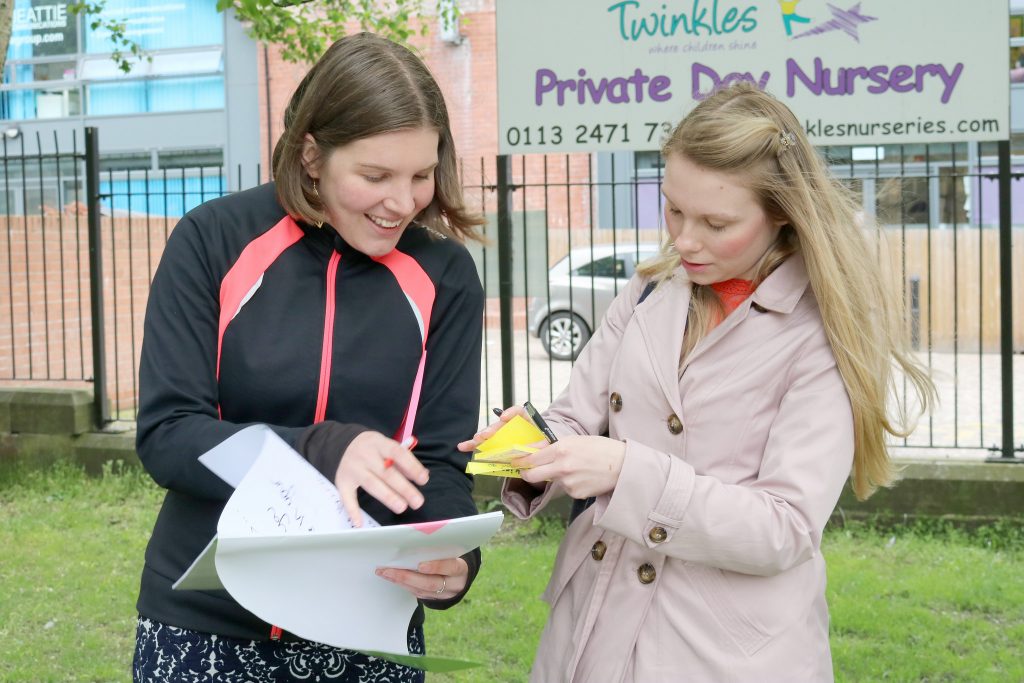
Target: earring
[319,224]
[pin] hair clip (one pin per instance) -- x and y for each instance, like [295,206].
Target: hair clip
[787,140]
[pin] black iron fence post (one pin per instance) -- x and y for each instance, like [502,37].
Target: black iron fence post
[1006,304]
[505,202]
[99,355]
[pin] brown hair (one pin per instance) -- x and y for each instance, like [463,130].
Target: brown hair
[749,134]
[366,85]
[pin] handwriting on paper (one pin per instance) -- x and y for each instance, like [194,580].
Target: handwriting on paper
[283,494]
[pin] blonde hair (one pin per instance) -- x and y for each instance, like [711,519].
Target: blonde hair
[743,131]
[365,85]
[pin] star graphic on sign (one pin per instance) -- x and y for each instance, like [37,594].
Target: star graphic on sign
[842,20]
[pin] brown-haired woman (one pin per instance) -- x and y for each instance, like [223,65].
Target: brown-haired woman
[339,307]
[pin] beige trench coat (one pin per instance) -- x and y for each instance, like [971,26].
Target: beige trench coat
[704,563]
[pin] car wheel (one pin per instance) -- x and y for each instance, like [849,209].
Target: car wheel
[563,335]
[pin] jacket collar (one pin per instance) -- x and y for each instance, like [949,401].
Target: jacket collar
[781,291]
[662,318]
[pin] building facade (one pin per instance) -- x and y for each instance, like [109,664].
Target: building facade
[192,102]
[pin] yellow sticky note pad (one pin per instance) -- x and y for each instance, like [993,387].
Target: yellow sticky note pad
[493,456]
[516,431]
[505,455]
[492,469]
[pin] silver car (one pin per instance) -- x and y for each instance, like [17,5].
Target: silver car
[582,286]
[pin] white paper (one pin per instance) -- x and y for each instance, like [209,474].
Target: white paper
[201,575]
[322,586]
[281,493]
[233,457]
[286,551]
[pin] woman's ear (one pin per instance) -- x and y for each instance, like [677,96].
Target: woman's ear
[310,156]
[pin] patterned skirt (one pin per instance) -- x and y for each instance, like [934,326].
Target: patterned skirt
[168,654]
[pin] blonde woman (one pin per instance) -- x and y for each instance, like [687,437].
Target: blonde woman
[737,396]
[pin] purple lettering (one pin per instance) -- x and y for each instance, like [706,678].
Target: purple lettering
[793,72]
[949,80]
[638,79]
[544,81]
[877,74]
[850,77]
[586,84]
[898,76]
[614,90]
[697,70]
[880,78]
[617,90]
[562,87]
[659,89]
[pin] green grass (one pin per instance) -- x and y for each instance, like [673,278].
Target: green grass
[920,603]
[72,553]
[924,606]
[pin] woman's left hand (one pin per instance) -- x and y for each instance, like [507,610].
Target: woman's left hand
[433,580]
[585,466]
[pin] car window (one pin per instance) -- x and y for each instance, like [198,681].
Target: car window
[644,255]
[609,266]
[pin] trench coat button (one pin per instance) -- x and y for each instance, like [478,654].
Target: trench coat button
[657,534]
[597,552]
[615,401]
[675,425]
[759,308]
[646,573]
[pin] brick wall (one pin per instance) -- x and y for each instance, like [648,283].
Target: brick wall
[45,315]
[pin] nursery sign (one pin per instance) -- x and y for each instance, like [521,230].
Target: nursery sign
[584,75]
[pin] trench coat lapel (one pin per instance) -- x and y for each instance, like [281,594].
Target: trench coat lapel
[712,337]
[661,319]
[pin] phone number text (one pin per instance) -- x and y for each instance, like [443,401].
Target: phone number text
[588,134]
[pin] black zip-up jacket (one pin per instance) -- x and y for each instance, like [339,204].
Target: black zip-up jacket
[270,371]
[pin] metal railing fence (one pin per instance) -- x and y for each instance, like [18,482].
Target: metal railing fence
[565,230]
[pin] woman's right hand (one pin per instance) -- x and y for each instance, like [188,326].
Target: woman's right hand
[384,469]
[487,432]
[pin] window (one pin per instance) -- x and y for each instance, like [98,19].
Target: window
[1016,31]
[648,161]
[42,103]
[1017,48]
[42,28]
[158,95]
[159,25]
[191,158]
[50,74]
[125,161]
[608,266]
[177,63]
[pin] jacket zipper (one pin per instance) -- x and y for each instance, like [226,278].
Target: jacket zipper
[328,339]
